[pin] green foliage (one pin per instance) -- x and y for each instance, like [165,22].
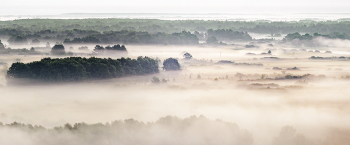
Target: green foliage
[19,70]
[133,37]
[228,35]
[99,48]
[59,29]
[155,80]
[18,40]
[58,49]
[23,51]
[116,47]
[297,77]
[212,40]
[296,35]
[171,64]
[187,55]
[77,68]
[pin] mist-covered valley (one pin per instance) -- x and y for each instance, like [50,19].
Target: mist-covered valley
[251,91]
[129,81]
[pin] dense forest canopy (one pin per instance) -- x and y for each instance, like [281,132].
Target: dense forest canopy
[152,31]
[307,36]
[229,35]
[134,37]
[89,26]
[77,68]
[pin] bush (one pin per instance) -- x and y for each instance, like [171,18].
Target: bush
[155,80]
[171,64]
[58,49]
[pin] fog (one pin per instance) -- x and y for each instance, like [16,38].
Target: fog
[225,96]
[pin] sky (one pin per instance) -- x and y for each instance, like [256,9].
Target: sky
[49,7]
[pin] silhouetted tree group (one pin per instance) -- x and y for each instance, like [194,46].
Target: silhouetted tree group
[77,68]
[58,49]
[171,64]
[100,48]
[133,37]
[228,35]
[296,35]
[18,40]
[59,29]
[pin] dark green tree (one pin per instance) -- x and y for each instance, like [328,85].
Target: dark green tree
[58,49]
[99,49]
[171,64]
[187,55]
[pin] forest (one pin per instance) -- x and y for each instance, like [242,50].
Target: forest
[89,26]
[78,69]
[132,37]
[296,35]
[229,35]
[152,31]
[79,81]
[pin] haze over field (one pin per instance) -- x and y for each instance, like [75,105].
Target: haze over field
[175,72]
[315,108]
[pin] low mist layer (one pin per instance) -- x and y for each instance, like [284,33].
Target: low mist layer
[284,96]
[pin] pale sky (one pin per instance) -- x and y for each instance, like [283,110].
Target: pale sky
[44,7]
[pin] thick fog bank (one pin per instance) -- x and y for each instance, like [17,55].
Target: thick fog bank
[261,93]
[167,130]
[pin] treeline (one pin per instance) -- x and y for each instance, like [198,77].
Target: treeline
[21,37]
[78,69]
[166,130]
[60,28]
[23,51]
[148,31]
[305,26]
[99,48]
[296,35]
[133,37]
[229,35]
